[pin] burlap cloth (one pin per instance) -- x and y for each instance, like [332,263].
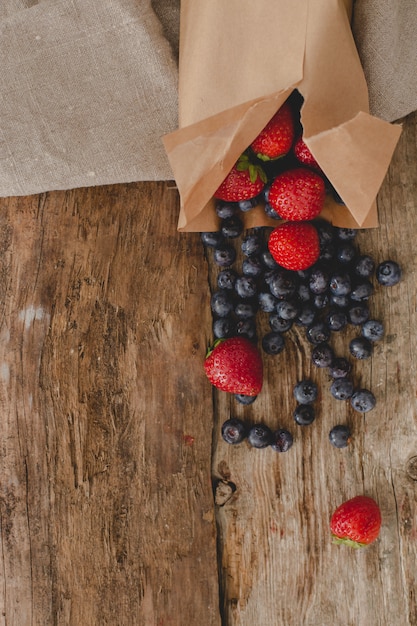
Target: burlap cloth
[89,87]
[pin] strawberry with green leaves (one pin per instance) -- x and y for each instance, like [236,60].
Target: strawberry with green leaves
[244,181]
[356,522]
[235,365]
[294,245]
[297,194]
[276,139]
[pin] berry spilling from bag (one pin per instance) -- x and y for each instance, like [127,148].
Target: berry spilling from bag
[303,273]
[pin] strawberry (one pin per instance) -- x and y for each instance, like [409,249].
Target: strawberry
[244,181]
[276,139]
[303,154]
[294,245]
[297,194]
[235,365]
[356,522]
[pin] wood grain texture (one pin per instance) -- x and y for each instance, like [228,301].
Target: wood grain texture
[111,434]
[106,501]
[277,563]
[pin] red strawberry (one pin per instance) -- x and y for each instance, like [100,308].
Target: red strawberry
[297,194]
[244,181]
[303,154]
[294,245]
[356,522]
[276,139]
[235,365]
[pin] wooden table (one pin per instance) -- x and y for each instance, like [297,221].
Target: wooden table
[110,439]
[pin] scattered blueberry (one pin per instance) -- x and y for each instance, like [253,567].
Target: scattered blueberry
[340,436]
[245,310]
[388,273]
[225,210]
[304,414]
[339,368]
[279,324]
[305,391]
[346,253]
[358,314]
[273,343]
[364,266]
[223,328]
[319,280]
[341,388]
[221,303]
[246,287]
[245,400]
[287,309]
[224,256]
[340,284]
[282,440]
[318,332]
[252,244]
[322,355]
[247,205]
[307,315]
[212,239]
[336,319]
[362,291]
[283,284]
[226,279]
[233,430]
[252,266]
[246,328]
[373,330]
[260,436]
[232,227]
[360,348]
[363,400]
[267,302]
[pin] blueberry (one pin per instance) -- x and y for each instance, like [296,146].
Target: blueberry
[252,266]
[245,310]
[322,355]
[364,266]
[373,330]
[304,414]
[221,303]
[282,440]
[340,284]
[339,368]
[224,256]
[340,436]
[223,328]
[268,260]
[360,348]
[270,212]
[388,273]
[341,388]
[342,302]
[336,319]
[278,323]
[212,239]
[318,332]
[267,302]
[246,328]
[345,253]
[283,284]
[233,430]
[328,252]
[245,400]
[303,293]
[287,309]
[363,400]
[362,291]
[232,227]
[320,301]
[358,314]
[246,287]
[326,231]
[305,391]
[247,205]
[273,343]
[252,244]
[346,234]
[306,315]
[225,210]
[260,436]
[226,279]
[319,280]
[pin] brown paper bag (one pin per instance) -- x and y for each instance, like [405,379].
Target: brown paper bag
[239,61]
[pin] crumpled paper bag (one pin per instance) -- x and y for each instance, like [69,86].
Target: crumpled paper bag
[239,61]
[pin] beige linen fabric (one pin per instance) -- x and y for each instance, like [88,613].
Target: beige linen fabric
[385,32]
[89,87]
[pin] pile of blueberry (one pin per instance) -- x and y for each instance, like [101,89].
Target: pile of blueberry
[323,299]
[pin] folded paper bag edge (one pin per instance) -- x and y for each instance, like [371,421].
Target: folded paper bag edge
[358,150]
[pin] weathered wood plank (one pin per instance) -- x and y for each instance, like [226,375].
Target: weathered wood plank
[278,565]
[105,493]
